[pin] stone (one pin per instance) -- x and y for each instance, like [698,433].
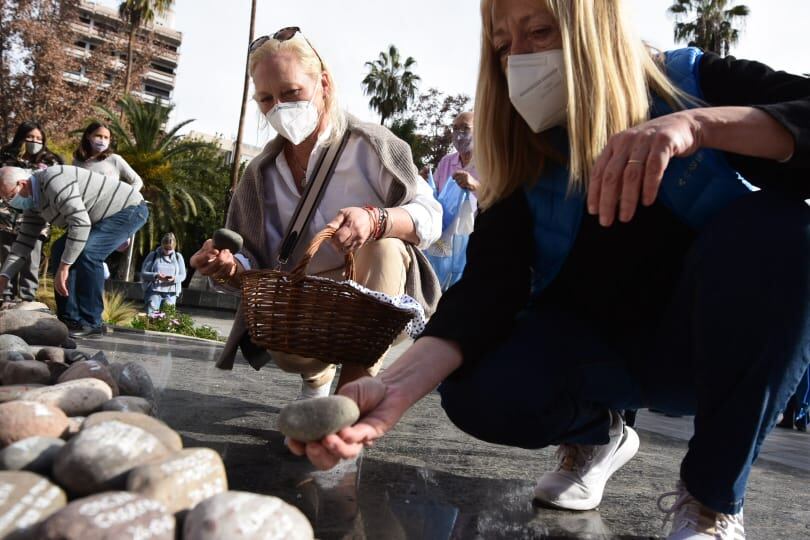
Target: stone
[32,306]
[57,369]
[164,433]
[34,327]
[227,239]
[101,358]
[69,343]
[14,391]
[182,480]
[313,419]
[130,404]
[35,454]
[72,356]
[237,515]
[75,424]
[77,398]
[52,354]
[135,381]
[115,515]
[25,500]
[15,356]
[90,369]
[25,372]
[99,457]
[22,419]
[116,368]
[10,342]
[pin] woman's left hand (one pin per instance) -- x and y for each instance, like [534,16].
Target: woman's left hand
[353,229]
[633,162]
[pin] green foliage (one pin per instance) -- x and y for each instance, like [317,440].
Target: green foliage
[390,83]
[172,321]
[711,26]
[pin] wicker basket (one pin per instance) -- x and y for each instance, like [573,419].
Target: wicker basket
[318,318]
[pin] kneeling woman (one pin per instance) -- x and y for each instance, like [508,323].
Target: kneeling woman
[375,177]
[694,302]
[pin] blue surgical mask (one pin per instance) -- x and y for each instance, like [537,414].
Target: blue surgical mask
[21,203]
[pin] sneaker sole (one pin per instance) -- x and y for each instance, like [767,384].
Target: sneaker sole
[626,451]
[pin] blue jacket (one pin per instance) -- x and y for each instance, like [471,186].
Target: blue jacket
[694,188]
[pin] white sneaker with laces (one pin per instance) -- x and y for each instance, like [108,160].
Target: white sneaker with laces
[693,521]
[583,470]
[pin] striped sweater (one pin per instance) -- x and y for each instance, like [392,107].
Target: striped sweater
[73,198]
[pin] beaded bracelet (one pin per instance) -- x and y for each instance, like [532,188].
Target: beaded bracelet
[383,222]
[372,214]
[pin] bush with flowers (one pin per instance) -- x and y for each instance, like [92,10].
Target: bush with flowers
[172,321]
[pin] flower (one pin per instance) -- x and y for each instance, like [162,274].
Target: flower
[157,315]
[175,321]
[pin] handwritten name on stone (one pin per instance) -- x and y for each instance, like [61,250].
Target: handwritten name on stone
[26,499]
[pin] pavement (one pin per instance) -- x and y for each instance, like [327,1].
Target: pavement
[426,479]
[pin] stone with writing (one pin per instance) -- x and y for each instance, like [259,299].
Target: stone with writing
[237,515]
[313,419]
[90,369]
[77,398]
[75,424]
[181,480]
[134,380]
[130,404]
[52,354]
[26,372]
[99,457]
[22,419]
[113,515]
[10,342]
[34,327]
[159,429]
[13,392]
[101,358]
[35,454]
[25,500]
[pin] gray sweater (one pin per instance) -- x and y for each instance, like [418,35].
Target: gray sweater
[68,197]
[114,167]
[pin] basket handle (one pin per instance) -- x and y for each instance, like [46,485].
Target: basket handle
[300,270]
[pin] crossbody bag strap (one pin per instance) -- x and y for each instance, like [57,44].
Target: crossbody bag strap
[308,204]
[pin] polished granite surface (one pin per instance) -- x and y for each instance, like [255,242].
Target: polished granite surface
[426,479]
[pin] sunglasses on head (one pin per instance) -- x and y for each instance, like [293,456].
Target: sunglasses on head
[284,34]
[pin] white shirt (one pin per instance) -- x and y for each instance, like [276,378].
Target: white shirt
[359,180]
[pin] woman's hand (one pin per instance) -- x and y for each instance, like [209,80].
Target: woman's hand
[215,263]
[380,408]
[633,163]
[353,228]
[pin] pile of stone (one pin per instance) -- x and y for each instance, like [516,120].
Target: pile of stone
[82,455]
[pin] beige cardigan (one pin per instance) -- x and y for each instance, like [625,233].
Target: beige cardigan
[246,216]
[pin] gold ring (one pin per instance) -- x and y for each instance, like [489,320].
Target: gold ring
[634,162]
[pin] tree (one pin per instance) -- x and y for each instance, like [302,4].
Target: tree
[137,13]
[710,24]
[390,83]
[167,163]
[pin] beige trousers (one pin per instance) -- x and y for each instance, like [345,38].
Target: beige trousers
[380,266]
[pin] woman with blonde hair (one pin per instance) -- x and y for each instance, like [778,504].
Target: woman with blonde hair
[693,302]
[375,201]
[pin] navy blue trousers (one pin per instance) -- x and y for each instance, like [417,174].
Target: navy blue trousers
[731,348]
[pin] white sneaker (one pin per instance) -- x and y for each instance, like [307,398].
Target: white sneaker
[583,470]
[693,521]
[308,392]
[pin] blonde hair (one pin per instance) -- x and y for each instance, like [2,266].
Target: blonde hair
[609,76]
[313,66]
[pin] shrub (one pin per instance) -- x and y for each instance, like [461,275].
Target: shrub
[172,321]
[117,309]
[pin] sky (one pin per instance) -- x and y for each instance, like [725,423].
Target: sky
[442,35]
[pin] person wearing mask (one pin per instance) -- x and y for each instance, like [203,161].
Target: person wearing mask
[98,213]
[378,206]
[28,149]
[641,272]
[94,153]
[162,274]
[459,164]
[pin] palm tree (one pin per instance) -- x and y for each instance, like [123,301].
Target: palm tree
[137,13]
[712,28]
[390,83]
[158,156]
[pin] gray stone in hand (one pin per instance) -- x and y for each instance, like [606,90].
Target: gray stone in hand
[27,499]
[227,239]
[34,327]
[313,419]
[35,454]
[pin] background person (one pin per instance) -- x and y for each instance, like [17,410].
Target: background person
[459,165]
[28,149]
[94,153]
[376,201]
[162,274]
[694,302]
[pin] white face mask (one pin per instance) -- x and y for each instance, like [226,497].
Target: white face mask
[537,88]
[99,145]
[296,120]
[32,147]
[463,141]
